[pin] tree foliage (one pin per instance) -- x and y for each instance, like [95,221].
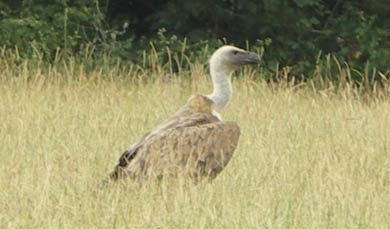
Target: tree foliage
[354,31]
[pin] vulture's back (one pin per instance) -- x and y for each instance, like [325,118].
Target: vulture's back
[193,143]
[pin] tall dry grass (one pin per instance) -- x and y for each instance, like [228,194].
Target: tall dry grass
[306,158]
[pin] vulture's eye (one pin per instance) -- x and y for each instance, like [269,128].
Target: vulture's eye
[235,52]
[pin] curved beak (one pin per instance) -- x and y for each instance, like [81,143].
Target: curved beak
[250,58]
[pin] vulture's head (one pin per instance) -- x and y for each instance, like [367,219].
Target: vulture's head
[229,58]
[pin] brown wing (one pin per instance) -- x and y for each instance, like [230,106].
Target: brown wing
[193,142]
[195,151]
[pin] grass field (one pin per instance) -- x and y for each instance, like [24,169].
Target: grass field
[306,158]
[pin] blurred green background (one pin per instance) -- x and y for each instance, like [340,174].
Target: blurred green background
[293,33]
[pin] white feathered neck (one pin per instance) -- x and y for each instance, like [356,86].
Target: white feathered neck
[222,87]
[221,74]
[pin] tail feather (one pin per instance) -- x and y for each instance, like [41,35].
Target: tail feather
[124,161]
[112,177]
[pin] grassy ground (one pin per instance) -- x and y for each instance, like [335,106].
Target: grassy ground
[305,159]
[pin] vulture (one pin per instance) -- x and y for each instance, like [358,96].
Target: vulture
[194,142]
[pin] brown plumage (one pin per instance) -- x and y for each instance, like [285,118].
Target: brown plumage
[194,142]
